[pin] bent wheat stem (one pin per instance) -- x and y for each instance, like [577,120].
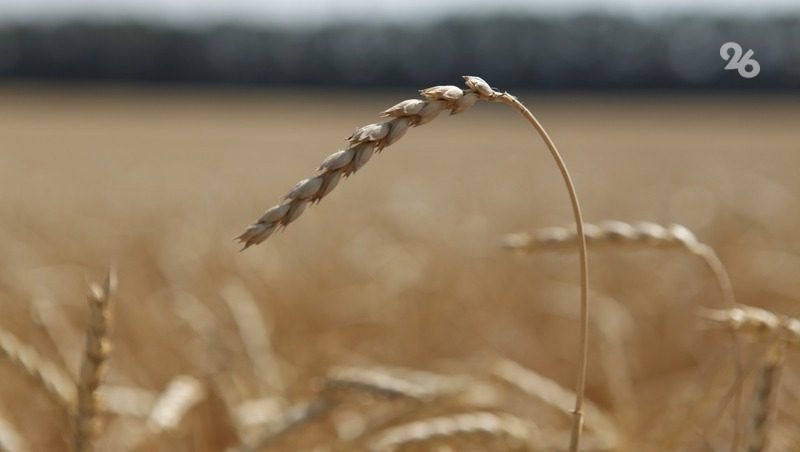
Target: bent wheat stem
[580,386]
[373,138]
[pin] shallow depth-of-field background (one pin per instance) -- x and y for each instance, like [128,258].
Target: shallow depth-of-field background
[400,265]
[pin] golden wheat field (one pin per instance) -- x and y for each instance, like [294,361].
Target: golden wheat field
[389,316]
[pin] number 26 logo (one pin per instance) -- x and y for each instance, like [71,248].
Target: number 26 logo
[745,65]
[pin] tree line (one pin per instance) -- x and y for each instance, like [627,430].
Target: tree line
[590,51]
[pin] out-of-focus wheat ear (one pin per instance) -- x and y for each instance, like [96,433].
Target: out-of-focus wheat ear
[64,336]
[391,382]
[763,404]
[293,418]
[10,439]
[558,397]
[127,400]
[255,413]
[255,334]
[87,425]
[481,423]
[755,323]
[643,234]
[161,413]
[182,393]
[614,327]
[56,383]
[638,235]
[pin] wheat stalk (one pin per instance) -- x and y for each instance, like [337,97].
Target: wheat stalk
[93,367]
[375,137]
[475,423]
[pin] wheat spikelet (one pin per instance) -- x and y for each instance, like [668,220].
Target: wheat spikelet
[476,423]
[58,385]
[96,353]
[764,399]
[362,144]
[391,382]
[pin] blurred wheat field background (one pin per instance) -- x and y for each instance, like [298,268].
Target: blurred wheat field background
[401,266]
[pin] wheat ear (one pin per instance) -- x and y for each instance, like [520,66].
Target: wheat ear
[555,396]
[476,423]
[182,393]
[57,383]
[391,382]
[641,234]
[93,367]
[294,417]
[375,137]
[63,335]
[757,323]
[10,439]
[255,334]
[764,400]
[762,325]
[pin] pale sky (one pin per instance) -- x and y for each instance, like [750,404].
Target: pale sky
[320,11]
